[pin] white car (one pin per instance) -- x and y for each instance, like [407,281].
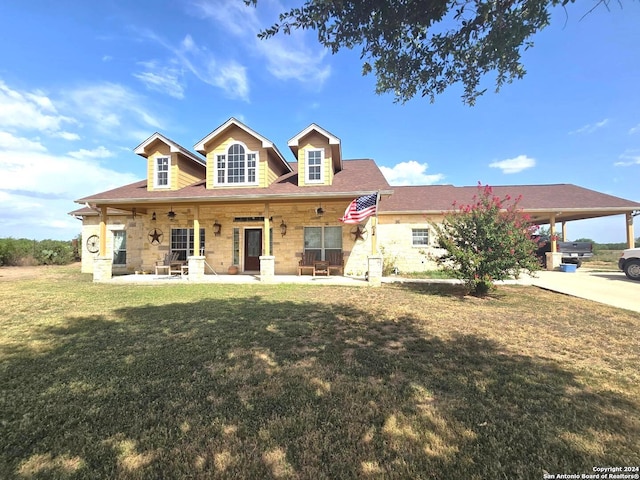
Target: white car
[629,263]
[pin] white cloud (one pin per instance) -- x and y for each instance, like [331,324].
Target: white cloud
[67,136]
[410,173]
[629,158]
[514,165]
[38,191]
[38,183]
[29,111]
[84,154]
[634,130]
[10,142]
[590,128]
[288,57]
[110,107]
[162,79]
[229,76]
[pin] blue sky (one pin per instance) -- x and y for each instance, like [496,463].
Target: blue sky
[83,83]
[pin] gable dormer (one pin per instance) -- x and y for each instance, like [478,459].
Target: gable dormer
[319,155]
[169,165]
[238,156]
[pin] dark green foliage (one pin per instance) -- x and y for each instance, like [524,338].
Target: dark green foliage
[486,241]
[421,48]
[23,251]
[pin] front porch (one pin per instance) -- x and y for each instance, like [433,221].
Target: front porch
[240,279]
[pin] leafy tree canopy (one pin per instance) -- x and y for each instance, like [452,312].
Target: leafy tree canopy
[424,46]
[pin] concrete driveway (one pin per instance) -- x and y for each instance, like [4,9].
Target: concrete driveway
[611,288]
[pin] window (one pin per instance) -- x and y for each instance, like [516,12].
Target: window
[420,237]
[119,247]
[322,240]
[236,246]
[182,242]
[162,172]
[238,166]
[314,166]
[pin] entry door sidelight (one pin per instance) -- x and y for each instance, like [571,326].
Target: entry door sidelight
[252,249]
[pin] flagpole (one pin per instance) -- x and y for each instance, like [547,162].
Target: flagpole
[374,227]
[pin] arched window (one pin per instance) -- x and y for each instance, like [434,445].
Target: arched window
[238,166]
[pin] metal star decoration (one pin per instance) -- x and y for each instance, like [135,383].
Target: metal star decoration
[155,237]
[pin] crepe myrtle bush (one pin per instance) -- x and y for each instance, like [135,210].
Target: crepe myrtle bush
[486,240]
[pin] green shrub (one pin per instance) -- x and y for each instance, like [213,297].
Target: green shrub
[19,251]
[23,251]
[485,241]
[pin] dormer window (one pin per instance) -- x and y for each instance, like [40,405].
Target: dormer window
[314,165]
[161,177]
[238,166]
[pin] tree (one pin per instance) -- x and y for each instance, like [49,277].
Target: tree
[424,46]
[485,241]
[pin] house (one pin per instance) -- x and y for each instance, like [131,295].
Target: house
[238,202]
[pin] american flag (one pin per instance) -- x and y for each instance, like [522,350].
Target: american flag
[360,208]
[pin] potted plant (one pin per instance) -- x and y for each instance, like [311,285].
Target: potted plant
[232,270]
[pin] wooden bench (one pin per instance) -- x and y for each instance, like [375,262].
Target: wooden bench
[307,263]
[336,262]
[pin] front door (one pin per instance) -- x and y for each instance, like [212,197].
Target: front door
[252,249]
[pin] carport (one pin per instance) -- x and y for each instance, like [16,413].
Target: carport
[552,204]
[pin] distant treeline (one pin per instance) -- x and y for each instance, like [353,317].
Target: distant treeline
[22,251]
[607,246]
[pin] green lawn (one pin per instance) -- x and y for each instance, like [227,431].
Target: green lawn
[281,381]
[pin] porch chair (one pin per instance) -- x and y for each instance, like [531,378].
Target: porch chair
[170,263]
[336,262]
[307,262]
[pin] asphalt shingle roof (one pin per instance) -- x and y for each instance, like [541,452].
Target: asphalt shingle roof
[356,176]
[439,198]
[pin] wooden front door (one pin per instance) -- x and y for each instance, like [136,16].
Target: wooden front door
[252,249]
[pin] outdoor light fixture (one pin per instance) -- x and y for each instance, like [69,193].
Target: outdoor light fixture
[153,217]
[133,212]
[283,228]
[217,228]
[171,214]
[319,211]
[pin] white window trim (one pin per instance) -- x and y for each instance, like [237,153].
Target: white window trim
[156,172]
[247,152]
[428,237]
[306,165]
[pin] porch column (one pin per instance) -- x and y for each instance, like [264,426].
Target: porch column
[103,232]
[554,258]
[102,264]
[630,235]
[196,262]
[374,272]
[196,231]
[564,231]
[267,261]
[266,237]
[374,235]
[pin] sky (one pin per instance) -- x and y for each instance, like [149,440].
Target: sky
[83,83]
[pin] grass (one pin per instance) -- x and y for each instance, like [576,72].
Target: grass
[302,382]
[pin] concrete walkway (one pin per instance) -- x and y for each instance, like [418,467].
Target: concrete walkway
[611,288]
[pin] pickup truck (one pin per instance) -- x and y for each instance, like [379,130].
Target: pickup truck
[629,263]
[572,252]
